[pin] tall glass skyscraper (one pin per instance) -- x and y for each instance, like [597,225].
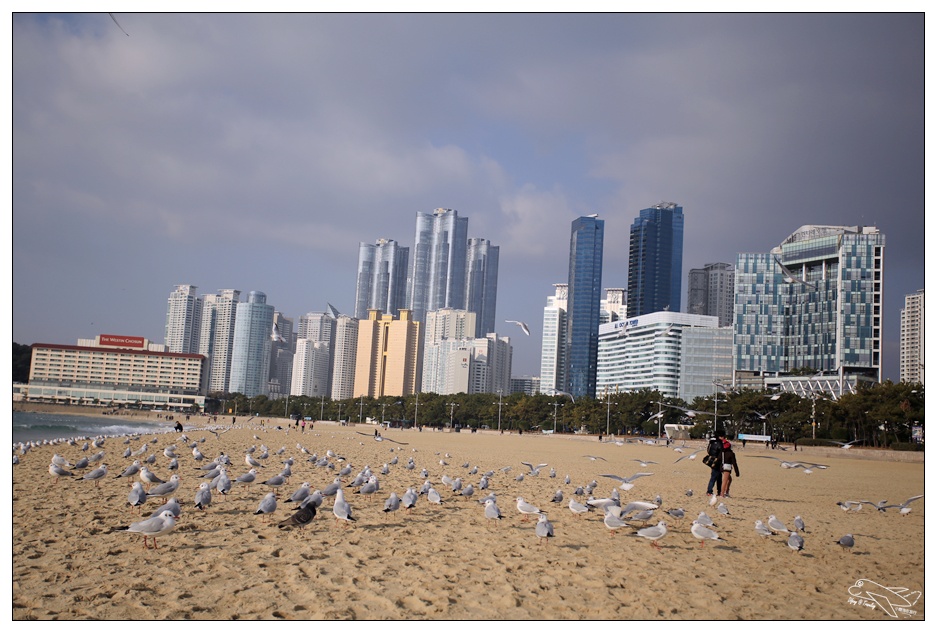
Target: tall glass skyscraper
[654,263]
[438,268]
[481,284]
[583,314]
[381,278]
[812,304]
[183,320]
[250,355]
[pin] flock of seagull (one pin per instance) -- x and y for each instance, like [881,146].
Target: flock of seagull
[305,502]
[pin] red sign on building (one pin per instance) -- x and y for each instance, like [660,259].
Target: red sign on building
[136,342]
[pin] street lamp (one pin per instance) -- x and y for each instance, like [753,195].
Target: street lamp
[500,402]
[556,406]
[416,414]
[361,414]
[452,406]
[608,422]
[322,409]
[339,412]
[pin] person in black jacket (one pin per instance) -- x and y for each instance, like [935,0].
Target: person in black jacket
[714,451]
[729,461]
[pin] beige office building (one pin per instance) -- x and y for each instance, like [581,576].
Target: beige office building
[389,355]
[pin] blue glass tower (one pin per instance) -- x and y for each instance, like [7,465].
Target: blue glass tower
[654,263]
[583,312]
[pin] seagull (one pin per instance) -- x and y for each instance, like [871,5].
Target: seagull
[904,506]
[799,525]
[653,533]
[849,505]
[795,542]
[775,525]
[152,527]
[165,489]
[341,508]
[392,503]
[520,324]
[247,478]
[172,506]
[690,456]
[58,472]
[267,505]
[544,528]
[534,469]
[789,277]
[846,446]
[132,469]
[557,497]
[703,533]
[526,508]
[847,541]
[645,463]
[722,509]
[612,522]
[627,483]
[677,512]
[300,494]
[594,458]
[137,495]
[379,438]
[96,475]
[761,529]
[203,496]
[576,507]
[491,510]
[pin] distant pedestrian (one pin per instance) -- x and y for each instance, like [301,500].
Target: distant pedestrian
[303,425]
[713,458]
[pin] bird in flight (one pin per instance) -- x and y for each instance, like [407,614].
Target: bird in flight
[522,326]
[789,277]
[125,33]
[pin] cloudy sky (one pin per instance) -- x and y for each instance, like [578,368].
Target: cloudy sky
[257,152]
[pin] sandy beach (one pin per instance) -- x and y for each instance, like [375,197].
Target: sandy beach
[448,562]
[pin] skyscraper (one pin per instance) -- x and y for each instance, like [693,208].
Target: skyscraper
[250,353]
[389,355]
[586,248]
[344,357]
[183,320]
[447,334]
[219,312]
[912,337]
[654,263]
[437,279]
[320,327]
[812,304]
[381,278]
[281,357]
[711,292]
[481,284]
[310,368]
[553,350]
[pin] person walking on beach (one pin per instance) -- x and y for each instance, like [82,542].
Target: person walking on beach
[729,462]
[713,458]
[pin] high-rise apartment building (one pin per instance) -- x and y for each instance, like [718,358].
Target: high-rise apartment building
[586,249]
[281,357]
[552,353]
[481,284]
[654,263]
[381,278]
[310,368]
[912,338]
[389,355]
[320,327]
[344,357]
[711,292]
[183,320]
[250,353]
[812,304]
[216,341]
[447,333]
[437,278]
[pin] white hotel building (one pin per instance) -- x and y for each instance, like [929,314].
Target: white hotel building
[116,370]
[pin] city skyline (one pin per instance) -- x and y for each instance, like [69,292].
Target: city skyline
[135,170]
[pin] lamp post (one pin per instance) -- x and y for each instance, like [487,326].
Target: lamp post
[556,406]
[608,420]
[339,412]
[383,414]
[416,414]
[452,406]
[322,409]
[500,402]
[361,413]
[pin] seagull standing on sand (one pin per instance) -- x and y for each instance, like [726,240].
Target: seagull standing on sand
[96,475]
[544,528]
[703,533]
[152,527]
[847,541]
[267,505]
[526,508]
[342,509]
[203,496]
[653,533]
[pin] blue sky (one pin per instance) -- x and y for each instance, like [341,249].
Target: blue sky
[256,152]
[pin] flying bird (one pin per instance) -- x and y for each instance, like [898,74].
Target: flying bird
[520,324]
[789,277]
[128,35]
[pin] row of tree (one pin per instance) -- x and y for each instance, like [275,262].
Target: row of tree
[880,415]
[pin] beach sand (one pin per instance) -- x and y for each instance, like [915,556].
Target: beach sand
[447,562]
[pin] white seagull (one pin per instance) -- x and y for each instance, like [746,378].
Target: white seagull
[520,324]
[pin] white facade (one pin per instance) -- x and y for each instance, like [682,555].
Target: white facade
[705,358]
[468,365]
[552,354]
[344,357]
[645,352]
[912,338]
[183,320]
[310,368]
[219,314]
